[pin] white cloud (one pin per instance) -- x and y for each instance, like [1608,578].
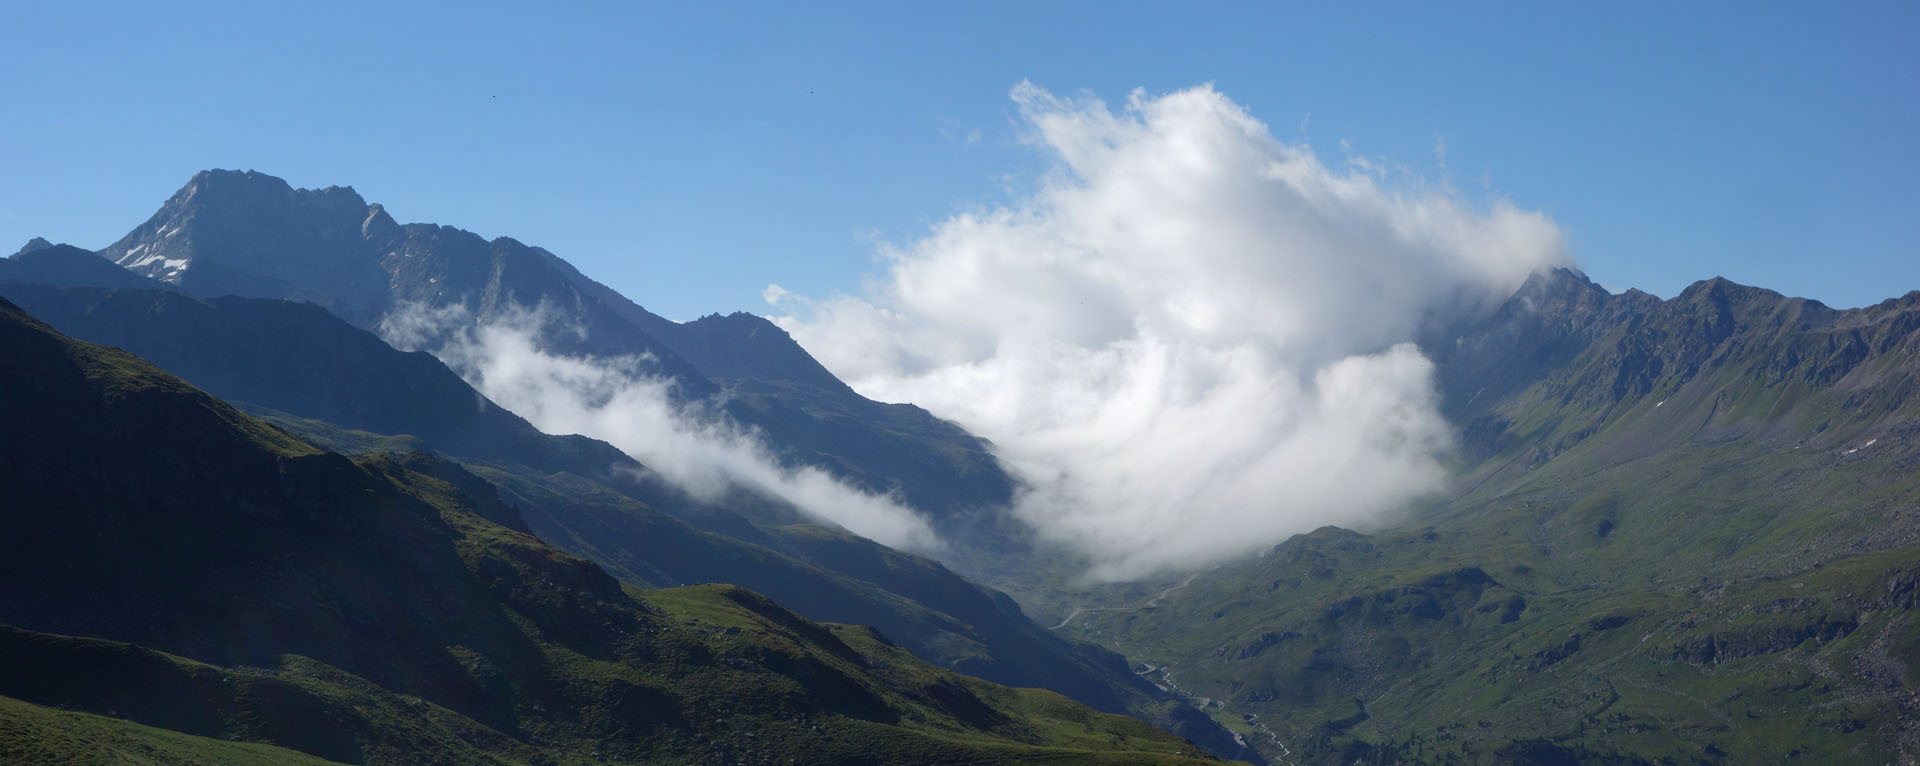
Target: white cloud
[1191,341]
[615,399]
[774,293]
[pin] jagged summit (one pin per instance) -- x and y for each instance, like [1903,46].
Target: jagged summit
[218,181]
[1554,286]
[378,225]
[249,233]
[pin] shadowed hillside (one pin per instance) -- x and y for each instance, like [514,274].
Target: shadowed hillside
[233,582]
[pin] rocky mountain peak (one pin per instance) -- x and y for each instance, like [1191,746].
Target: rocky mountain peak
[249,233]
[219,185]
[32,245]
[1556,288]
[1725,292]
[333,197]
[254,190]
[378,226]
[743,345]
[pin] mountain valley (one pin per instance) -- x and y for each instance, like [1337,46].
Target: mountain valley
[1678,531]
[177,564]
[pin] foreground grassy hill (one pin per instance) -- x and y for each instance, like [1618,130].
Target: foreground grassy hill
[1687,531]
[35,734]
[188,576]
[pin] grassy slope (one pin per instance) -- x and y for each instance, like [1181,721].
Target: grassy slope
[367,611]
[34,734]
[881,704]
[915,601]
[1705,562]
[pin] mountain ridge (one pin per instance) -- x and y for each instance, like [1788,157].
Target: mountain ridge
[1683,529]
[251,234]
[197,569]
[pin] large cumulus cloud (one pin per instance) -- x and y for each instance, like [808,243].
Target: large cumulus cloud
[1193,339]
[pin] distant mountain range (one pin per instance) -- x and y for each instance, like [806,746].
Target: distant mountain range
[250,234]
[1682,531]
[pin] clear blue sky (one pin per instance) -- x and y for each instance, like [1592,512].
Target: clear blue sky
[689,154]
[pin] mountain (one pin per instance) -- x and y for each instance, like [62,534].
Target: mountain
[1681,531]
[188,574]
[46,263]
[772,382]
[37,243]
[301,368]
[250,234]
[243,234]
[1684,531]
[296,357]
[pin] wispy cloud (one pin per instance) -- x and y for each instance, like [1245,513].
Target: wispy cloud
[1192,341]
[620,401]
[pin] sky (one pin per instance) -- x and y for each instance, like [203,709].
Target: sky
[691,154]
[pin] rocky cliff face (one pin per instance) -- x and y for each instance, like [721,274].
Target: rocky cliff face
[247,233]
